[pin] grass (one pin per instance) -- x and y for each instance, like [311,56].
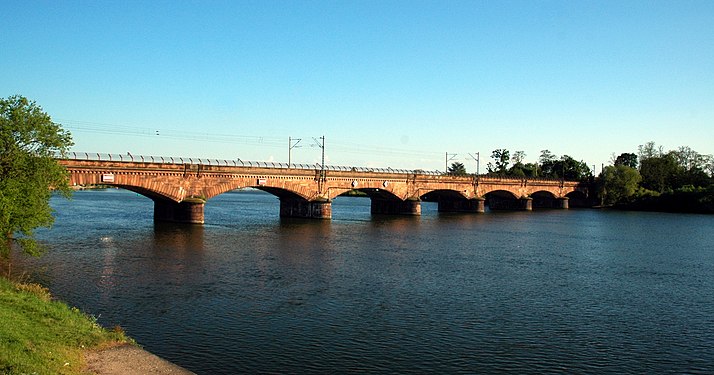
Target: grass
[42,336]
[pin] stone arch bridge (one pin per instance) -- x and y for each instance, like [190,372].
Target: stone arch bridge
[180,187]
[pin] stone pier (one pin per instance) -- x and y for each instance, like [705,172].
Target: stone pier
[188,211]
[562,203]
[525,204]
[292,207]
[395,207]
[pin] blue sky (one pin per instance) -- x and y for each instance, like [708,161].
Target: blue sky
[388,83]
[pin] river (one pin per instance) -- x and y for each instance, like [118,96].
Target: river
[566,291]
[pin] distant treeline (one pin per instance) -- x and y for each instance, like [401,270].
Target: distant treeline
[547,166]
[654,180]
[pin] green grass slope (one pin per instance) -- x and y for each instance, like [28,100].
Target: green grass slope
[41,336]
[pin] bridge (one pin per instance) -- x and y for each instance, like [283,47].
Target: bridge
[180,187]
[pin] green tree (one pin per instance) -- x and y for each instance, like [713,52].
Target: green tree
[567,168]
[708,162]
[530,170]
[649,150]
[518,157]
[692,168]
[547,162]
[29,140]
[501,159]
[457,169]
[575,170]
[627,159]
[687,158]
[518,168]
[546,156]
[618,183]
[659,172]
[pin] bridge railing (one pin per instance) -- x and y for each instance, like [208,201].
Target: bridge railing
[96,156]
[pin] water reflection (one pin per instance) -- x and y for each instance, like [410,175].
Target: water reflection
[184,238]
[304,243]
[107,278]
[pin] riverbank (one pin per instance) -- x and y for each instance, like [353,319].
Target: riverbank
[689,200]
[39,335]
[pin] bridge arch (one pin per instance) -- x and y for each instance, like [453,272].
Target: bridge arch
[281,193]
[442,194]
[385,201]
[507,200]
[148,193]
[578,198]
[502,194]
[453,200]
[544,199]
[505,192]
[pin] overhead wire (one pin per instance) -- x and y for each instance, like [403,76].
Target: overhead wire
[228,138]
[172,133]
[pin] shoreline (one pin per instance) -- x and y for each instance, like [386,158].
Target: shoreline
[128,359]
[72,341]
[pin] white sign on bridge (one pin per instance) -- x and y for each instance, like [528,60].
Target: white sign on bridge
[108,177]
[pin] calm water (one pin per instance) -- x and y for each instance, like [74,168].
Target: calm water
[577,291]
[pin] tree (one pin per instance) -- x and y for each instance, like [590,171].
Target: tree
[627,159]
[572,169]
[530,170]
[687,158]
[518,169]
[692,168]
[649,150]
[546,161]
[518,157]
[29,140]
[619,183]
[457,169]
[659,172]
[708,161]
[546,156]
[566,167]
[501,158]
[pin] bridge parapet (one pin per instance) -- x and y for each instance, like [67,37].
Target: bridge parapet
[96,156]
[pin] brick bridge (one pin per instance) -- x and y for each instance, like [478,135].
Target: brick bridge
[180,187]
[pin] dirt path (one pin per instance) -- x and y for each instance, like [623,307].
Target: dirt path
[130,360]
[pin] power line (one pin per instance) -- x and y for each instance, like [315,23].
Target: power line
[100,128]
[228,138]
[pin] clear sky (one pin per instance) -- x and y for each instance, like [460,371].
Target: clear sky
[388,83]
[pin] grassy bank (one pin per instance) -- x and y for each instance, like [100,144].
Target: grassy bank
[41,336]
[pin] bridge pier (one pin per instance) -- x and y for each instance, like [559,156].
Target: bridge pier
[291,207]
[562,203]
[520,204]
[477,205]
[190,212]
[395,207]
[525,204]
